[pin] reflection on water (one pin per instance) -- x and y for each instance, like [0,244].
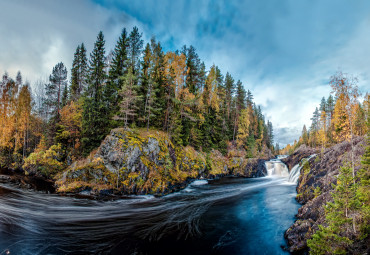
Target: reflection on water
[226,216]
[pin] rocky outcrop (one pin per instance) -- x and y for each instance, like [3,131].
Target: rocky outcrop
[314,187]
[141,162]
[255,168]
[302,152]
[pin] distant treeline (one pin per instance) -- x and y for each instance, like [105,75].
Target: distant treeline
[338,117]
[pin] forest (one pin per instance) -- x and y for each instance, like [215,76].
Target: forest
[56,122]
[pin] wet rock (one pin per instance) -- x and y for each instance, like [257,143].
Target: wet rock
[32,182]
[255,168]
[298,234]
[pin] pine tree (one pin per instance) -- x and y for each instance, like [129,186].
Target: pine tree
[229,93]
[249,98]
[23,115]
[95,118]
[78,72]
[151,109]
[8,104]
[315,120]
[135,46]
[243,129]
[277,149]
[341,121]
[129,98]
[175,71]
[54,90]
[75,74]
[118,68]
[323,105]
[331,239]
[83,70]
[159,83]
[193,66]
[363,189]
[359,120]
[330,106]
[239,105]
[270,132]
[322,137]
[145,79]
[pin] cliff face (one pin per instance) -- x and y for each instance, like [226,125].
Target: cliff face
[133,162]
[314,187]
[302,152]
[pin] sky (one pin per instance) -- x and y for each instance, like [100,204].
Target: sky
[283,51]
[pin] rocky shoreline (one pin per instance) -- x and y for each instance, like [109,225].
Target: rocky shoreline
[139,163]
[314,187]
[255,168]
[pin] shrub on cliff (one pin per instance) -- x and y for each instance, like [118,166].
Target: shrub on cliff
[45,162]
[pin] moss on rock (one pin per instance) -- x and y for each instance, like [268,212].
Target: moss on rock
[145,162]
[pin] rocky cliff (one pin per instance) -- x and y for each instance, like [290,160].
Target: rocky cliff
[302,152]
[314,187]
[140,162]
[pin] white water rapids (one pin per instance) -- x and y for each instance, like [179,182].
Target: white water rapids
[278,169]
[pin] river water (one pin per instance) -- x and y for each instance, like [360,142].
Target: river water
[226,216]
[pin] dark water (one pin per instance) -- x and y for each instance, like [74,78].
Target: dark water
[227,216]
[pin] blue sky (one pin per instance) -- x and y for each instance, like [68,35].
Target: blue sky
[283,51]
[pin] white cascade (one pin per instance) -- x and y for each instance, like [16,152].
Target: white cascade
[296,170]
[276,168]
[294,174]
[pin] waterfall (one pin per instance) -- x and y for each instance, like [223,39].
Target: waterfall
[276,168]
[294,174]
[296,170]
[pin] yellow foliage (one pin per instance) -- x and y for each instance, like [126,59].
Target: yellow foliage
[341,120]
[46,162]
[243,128]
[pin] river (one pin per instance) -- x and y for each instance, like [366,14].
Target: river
[225,216]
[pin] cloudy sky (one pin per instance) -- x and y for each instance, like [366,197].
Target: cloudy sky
[283,51]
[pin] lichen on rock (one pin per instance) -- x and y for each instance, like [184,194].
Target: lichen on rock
[147,162]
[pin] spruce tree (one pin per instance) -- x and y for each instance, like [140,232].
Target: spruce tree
[95,119]
[129,98]
[75,74]
[193,81]
[145,79]
[65,96]
[158,84]
[135,47]
[83,70]
[323,105]
[305,135]
[229,93]
[270,134]
[363,190]
[54,90]
[117,69]
[239,105]
[78,73]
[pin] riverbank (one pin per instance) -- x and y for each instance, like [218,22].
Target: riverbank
[314,188]
[137,162]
